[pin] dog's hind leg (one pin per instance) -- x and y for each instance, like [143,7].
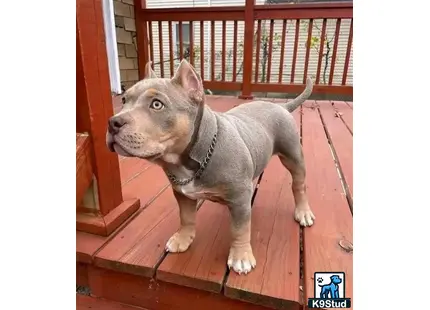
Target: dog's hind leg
[293,160]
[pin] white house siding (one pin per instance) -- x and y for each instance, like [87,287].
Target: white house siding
[289,45]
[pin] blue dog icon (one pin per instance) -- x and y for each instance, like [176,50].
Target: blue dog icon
[332,288]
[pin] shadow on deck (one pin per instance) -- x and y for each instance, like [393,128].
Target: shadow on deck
[131,267]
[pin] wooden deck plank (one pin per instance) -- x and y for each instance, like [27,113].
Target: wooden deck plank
[86,245]
[86,302]
[275,241]
[345,112]
[349,104]
[146,185]
[153,294]
[333,223]
[131,167]
[203,265]
[139,187]
[84,167]
[140,245]
[341,140]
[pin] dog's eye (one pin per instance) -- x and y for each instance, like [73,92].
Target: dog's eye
[123,100]
[156,105]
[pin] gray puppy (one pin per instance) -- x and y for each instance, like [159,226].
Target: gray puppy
[210,155]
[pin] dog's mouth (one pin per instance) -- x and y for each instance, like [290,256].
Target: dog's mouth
[116,147]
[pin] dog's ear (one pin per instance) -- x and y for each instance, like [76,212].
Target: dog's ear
[149,73]
[190,81]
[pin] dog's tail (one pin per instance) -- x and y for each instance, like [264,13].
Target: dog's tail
[292,105]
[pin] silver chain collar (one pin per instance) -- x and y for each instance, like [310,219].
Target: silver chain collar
[199,172]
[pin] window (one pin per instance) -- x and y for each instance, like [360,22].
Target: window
[185,39]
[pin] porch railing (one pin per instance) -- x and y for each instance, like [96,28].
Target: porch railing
[252,48]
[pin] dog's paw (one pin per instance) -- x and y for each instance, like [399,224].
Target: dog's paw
[241,259]
[304,216]
[180,242]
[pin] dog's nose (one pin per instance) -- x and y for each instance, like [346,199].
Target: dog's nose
[115,124]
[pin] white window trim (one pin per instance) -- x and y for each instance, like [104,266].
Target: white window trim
[111,47]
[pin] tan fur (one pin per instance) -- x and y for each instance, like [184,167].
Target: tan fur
[240,250]
[151,92]
[302,212]
[182,239]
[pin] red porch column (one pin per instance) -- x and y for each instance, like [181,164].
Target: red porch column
[93,108]
[248,49]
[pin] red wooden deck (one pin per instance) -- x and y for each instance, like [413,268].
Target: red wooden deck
[131,267]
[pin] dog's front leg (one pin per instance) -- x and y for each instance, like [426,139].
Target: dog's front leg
[241,258]
[182,239]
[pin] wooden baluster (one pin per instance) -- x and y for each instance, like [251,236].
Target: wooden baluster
[141,36]
[333,58]
[308,49]
[202,50]
[223,50]
[248,49]
[296,44]
[181,43]
[281,64]
[213,50]
[191,54]
[160,42]
[234,51]
[321,51]
[269,56]
[151,45]
[257,52]
[171,48]
[347,56]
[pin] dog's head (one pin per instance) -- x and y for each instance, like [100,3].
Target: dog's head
[335,279]
[158,114]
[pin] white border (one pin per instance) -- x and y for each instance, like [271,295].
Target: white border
[391,155]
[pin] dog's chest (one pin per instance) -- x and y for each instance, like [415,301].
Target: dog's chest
[198,192]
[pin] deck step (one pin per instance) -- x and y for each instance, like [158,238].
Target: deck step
[84,302]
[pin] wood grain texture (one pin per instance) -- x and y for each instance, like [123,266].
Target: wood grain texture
[84,166]
[341,141]
[84,302]
[248,47]
[104,225]
[203,265]
[275,242]
[146,185]
[333,223]
[131,168]
[96,100]
[139,246]
[86,245]
[345,112]
[159,295]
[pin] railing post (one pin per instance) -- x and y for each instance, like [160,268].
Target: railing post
[248,50]
[94,107]
[142,36]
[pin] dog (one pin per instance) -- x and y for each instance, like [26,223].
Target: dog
[208,155]
[332,288]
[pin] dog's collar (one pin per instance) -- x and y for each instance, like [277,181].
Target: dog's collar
[203,148]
